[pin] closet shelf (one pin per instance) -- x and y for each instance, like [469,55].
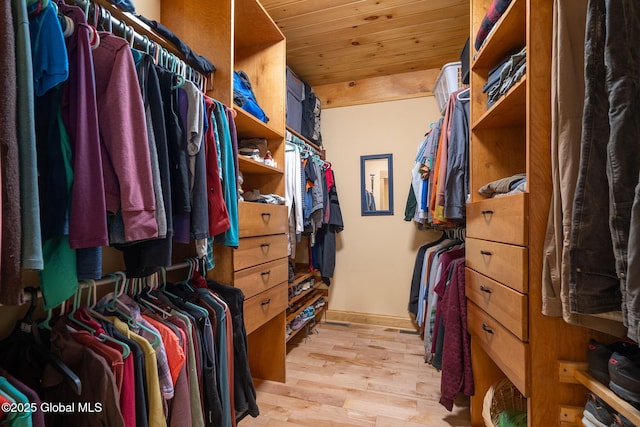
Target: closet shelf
[312,300]
[508,37]
[508,112]
[306,323]
[258,168]
[300,296]
[250,127]
[576,373]
[302,275]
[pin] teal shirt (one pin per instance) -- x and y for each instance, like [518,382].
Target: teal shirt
[229,181]
[29,198]
[22,419]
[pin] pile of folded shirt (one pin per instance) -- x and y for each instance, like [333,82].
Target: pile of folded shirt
[504,76]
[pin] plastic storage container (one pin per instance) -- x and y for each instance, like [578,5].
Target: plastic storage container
[448,81]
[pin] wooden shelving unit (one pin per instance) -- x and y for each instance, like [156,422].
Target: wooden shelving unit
[505,235]
[240,35]
[576,373]
[306,298]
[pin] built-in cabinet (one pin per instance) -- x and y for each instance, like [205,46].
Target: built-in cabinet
[240,35]
[509,335]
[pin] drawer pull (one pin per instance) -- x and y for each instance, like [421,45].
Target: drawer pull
[483,289]
[265,245]
[486,253]
[487,329]
[265,273]
[265,216]
[266,302]
[487,212]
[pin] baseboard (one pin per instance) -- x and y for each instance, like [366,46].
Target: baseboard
[370,319]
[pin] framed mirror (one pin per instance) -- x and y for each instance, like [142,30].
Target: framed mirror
[376,184]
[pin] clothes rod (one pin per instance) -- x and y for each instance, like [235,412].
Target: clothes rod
[110,279]
[133,30]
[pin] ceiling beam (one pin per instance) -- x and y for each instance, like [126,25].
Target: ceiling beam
[378,89]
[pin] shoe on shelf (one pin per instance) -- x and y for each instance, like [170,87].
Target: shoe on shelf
[620,421]
[320,303]
[596,413]
[297,322]
[598,355]
[308,313]
[624,378]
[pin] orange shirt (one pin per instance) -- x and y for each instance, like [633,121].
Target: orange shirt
[175,353]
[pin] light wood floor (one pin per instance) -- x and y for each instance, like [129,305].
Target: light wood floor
[356,375]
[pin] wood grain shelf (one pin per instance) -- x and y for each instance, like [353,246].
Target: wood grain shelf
[508,37]
[306,323]
[576,373]
[256,167]
[250,127]
[508,112]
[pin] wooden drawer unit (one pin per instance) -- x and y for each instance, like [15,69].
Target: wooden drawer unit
[507,306]
[508,352]
[507,264]
[261,277]
[258,250]
[257,219]
[501,219]
[264,306]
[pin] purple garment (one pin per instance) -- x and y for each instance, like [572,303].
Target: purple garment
[87,221]
[457,375]
[234,140]
[441,287]
[182,222]
[125,152]
[37,417]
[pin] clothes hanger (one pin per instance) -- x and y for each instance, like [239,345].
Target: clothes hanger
[75,317]
[27,336]
[174,68]
[460,95]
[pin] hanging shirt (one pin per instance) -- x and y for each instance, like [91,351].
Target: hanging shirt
[126,162]
[229,181]
[87,217]
[31,248]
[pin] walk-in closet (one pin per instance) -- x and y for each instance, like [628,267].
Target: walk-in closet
[298,213]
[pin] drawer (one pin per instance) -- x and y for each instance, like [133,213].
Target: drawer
[501,219]
[264,306]
[257,279]
[507,306]
[257,250]
[507,264]
[257,219]
[509,353]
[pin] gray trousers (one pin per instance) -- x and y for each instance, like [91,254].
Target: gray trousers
[602,230]
[567,103]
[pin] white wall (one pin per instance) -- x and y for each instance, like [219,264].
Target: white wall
[148,8]
[375,254]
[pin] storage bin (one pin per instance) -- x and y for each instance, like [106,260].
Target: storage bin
[448,81]
[503,396]
[295,95]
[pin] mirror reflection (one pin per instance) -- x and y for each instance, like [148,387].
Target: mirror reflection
[376,183]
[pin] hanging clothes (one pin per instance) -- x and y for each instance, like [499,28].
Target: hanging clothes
[10,290]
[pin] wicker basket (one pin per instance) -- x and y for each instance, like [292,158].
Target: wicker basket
[501,396]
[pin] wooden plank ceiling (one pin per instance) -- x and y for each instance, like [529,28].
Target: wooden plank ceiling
[335,41]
